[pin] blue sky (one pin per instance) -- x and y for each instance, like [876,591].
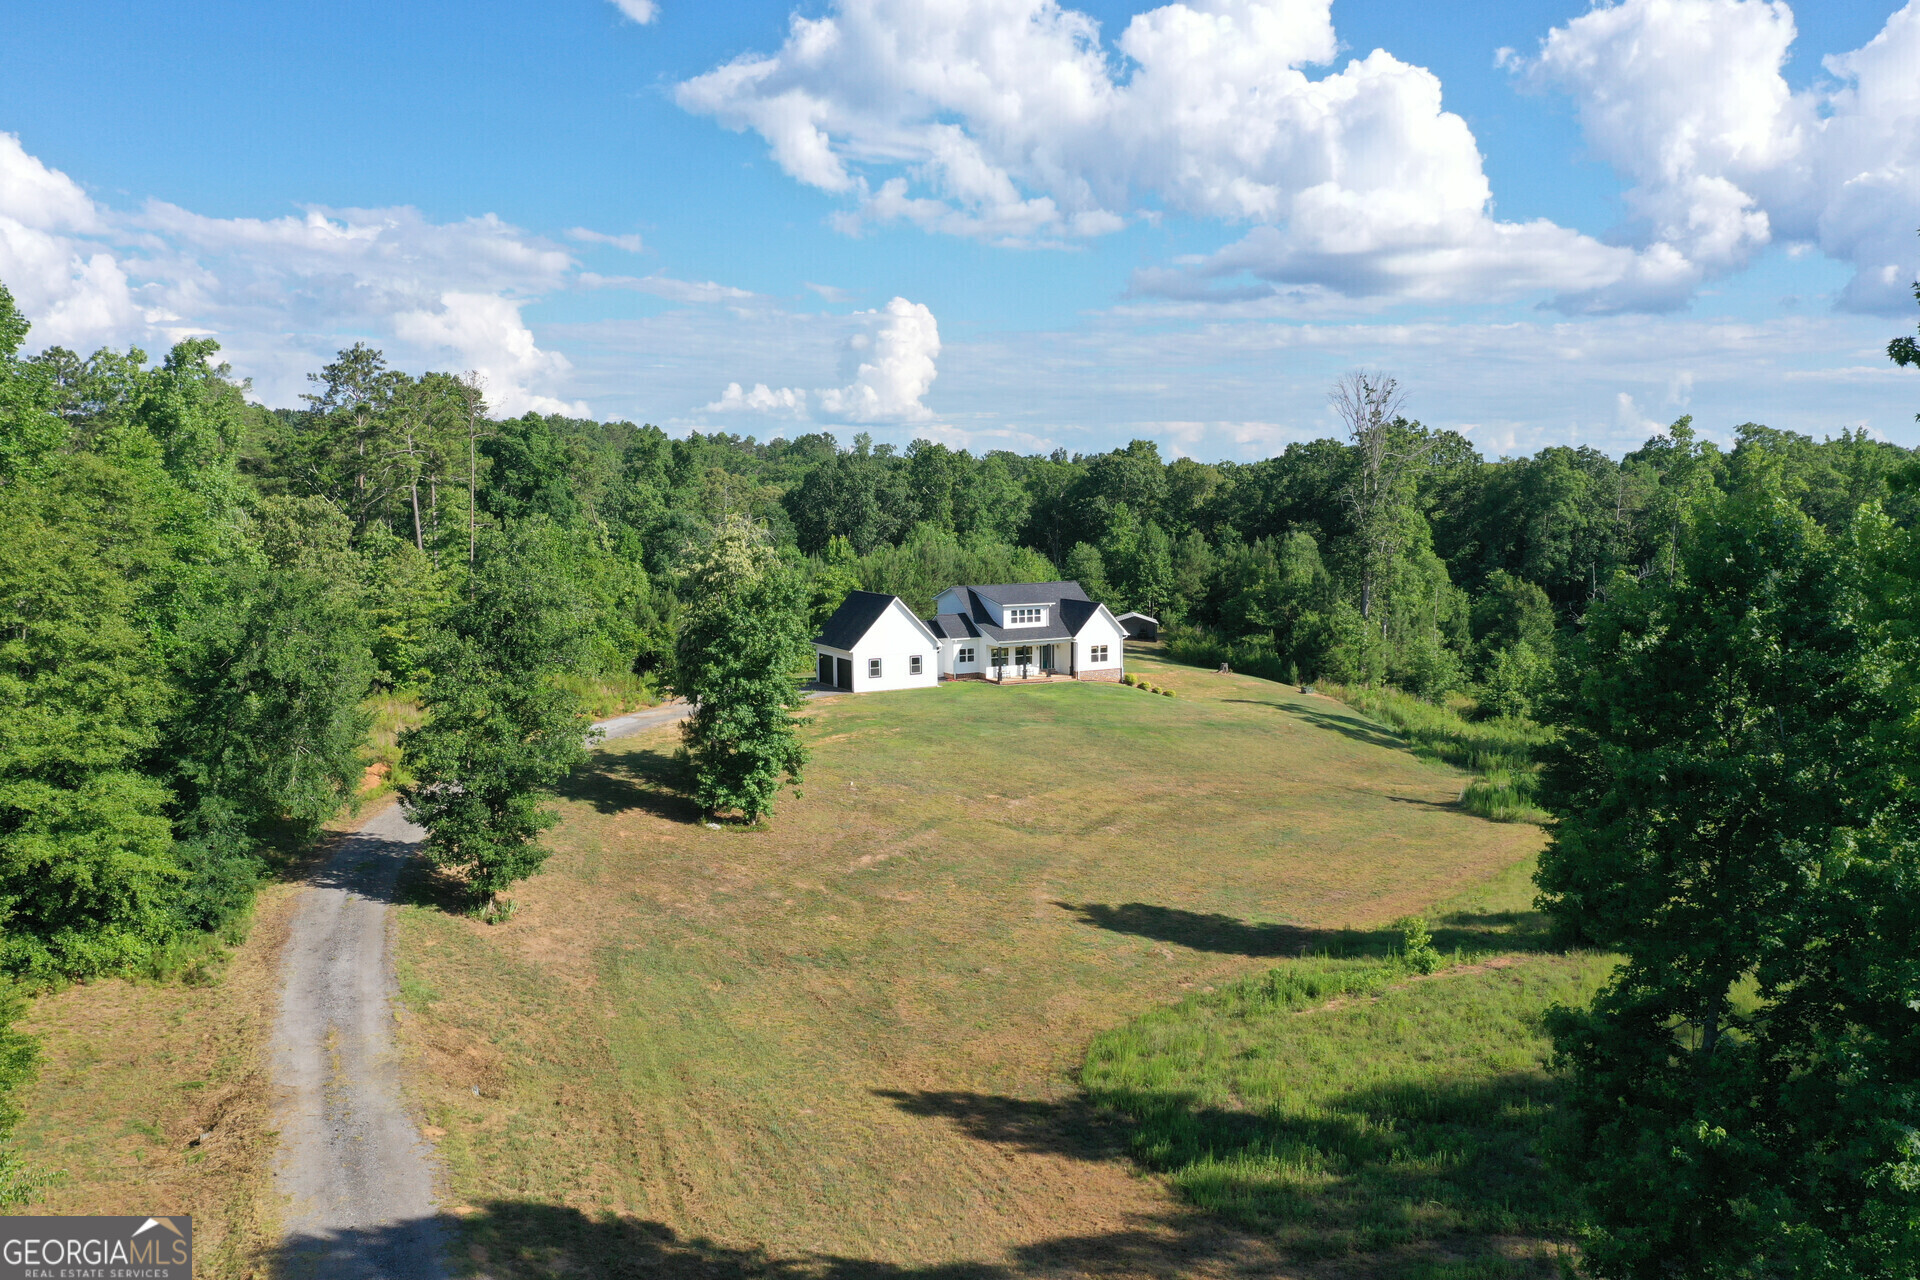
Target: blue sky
[996,223]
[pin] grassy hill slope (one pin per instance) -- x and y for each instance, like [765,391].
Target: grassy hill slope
[847,1044]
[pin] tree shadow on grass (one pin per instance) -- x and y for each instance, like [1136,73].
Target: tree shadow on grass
[1411,1175]
[515,1239]
[1074,1128]
[1221,934]
[1346,723]
[655,782]
[1465,931]
[1381,1167]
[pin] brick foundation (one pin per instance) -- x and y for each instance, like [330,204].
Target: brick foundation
[1109,674]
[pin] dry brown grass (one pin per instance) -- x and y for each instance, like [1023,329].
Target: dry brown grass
[846,1045]
[152,1098]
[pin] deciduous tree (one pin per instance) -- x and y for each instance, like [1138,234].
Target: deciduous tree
[501,730]
[1735,817]
[743,651]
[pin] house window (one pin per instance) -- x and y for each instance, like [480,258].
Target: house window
[1025,617]
[873,668]
[999,657]
[965,655]
[913,665]
[1097,653]
[1023,656]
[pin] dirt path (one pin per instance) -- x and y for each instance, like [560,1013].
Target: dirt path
[356,1177]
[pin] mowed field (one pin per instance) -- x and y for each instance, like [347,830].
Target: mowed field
[154,1097]
[847,1044]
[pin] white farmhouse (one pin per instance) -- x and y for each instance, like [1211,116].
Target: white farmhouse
[1004,632]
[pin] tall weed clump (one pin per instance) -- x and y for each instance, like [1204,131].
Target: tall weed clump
[18,1054]
[1501,751]
[1254,655]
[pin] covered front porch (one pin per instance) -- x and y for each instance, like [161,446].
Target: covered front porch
[1013,662]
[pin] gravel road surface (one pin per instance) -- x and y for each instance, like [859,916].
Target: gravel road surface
[356,1176]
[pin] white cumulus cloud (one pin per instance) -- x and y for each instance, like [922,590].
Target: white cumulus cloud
[1012,121]
[485,332]
[640,11]
[280,294]
[1685,98]
[762,399]
[895,367]
[74,291]
[1017,122]
[892,359]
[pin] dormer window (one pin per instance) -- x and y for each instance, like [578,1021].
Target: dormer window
[1026,616]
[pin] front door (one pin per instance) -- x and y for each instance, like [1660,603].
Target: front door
[846,673]
[1046,657]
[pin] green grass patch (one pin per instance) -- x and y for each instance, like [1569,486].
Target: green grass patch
[1404,1114]
[604,697]
[1501,752]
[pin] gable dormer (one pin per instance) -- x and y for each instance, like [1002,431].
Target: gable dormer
[1024,615]
[1012,606]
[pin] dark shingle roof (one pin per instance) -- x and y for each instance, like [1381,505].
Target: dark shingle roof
[1024,635]
[1029,592]
[953,626]
[1136,614]
[1076,612]
[1071,609]
[853,619]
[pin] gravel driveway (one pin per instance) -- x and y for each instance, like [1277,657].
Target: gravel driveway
[356,1176]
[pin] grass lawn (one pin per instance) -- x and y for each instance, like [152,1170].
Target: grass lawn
[153,1097]
[849,1044]
[1406,1121]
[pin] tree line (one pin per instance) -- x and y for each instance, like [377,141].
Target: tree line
[198,594]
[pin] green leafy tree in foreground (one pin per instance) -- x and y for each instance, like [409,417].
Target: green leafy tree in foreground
[268,729]
[86,850]
[743,648]
[1734,819]
[501,730]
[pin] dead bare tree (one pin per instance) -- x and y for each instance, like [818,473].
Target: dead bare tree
[1388,456]
[474,387]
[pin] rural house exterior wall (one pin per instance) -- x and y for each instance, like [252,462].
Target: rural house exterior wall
[895,636]
[950,665]
[1100,629]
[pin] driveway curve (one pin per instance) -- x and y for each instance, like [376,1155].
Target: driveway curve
[355,1174]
